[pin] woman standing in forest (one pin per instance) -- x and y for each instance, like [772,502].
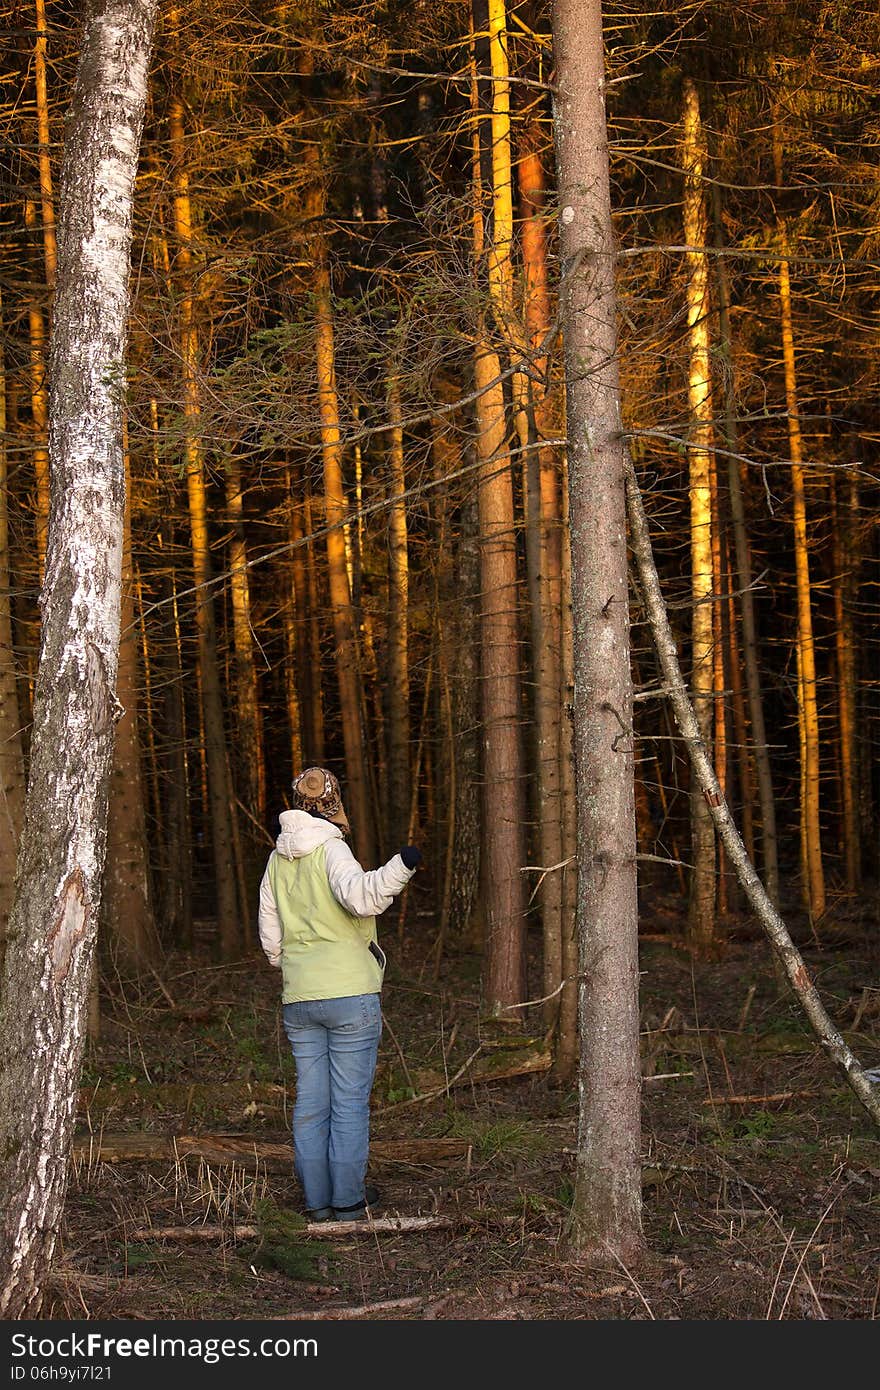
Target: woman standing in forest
[317,923]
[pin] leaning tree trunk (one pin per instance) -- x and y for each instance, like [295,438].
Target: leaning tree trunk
[55,917]
[606,1215]
[787,954]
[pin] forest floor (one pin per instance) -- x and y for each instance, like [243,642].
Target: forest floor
[762,1207]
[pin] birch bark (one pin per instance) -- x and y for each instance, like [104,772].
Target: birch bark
[61,859]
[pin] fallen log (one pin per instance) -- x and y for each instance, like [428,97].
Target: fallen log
[244,1149]
[360,1310]
[499,1066]
[757,1100]
[384,1225]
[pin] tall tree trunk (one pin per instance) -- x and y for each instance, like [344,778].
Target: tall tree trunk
[316,688]
[843,530]
[543,545]
[565,1059]
[751,655]
[701,909]
[348,668]
[813,871]
[126,906]
[606,1212]
[250,731]
[47,203]
[466,910]
[39,411]
[398,629]
[55,917]
[11,758]
[503,801]
[220,810]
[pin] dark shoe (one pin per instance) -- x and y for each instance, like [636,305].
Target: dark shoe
[350,1213]
[321,1214]
[358,1212]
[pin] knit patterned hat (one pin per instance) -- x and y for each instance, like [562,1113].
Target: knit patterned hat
[317,791]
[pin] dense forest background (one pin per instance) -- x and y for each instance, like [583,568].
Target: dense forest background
[347,531]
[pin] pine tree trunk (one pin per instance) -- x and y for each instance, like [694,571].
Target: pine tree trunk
[606,1212]
[751,655]
[565,1058]
[543,568]
[126,906]
[843,533]
[701,910]
[502,847]
[54,920]
[250,731]
[39,412]
[358,801]
[47,203]
[219,801]
[398,628]
[11,758]
[811,838]
[466,919]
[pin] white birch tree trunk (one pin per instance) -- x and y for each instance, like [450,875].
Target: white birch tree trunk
[61,859]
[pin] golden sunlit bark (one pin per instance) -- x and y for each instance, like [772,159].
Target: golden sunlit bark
[247,703]
[808,708]
[503,807]
[751,655]
[11,760]
[220,808]
[345,633]
[543,544]
[399,790]
[701,912]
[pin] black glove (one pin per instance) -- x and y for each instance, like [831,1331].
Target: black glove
[411,856]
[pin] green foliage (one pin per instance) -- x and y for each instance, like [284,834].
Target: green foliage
[280,1245]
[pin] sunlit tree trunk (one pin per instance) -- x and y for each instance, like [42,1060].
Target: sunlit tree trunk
[54,920]
[503,803]
[296,687]
[247,703]
[606,1216]
[39,410]
[11,759]
[220,809]
[701,911]
[751,655]
[543,543]
[316,687]
[813,871]
[348,671]
[398,627]
[47,203]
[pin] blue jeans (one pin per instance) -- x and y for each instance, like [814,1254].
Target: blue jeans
[335,1043]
